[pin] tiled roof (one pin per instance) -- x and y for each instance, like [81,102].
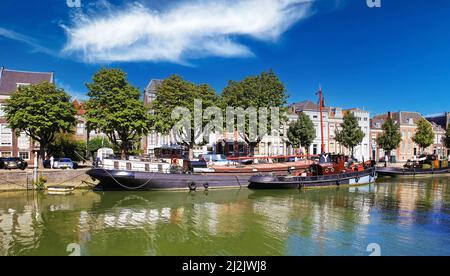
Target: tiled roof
[153,85]
[305,105]
[10,78]
[79,107]
[442,119]
[402,117]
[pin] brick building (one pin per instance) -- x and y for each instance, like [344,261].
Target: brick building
[408,127]
[12,145]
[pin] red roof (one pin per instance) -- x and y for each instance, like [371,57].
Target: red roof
[79,107]
[10,78]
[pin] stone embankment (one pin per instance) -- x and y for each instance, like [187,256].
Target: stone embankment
[23,180]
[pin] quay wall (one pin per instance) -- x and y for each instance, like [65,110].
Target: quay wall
[17,180]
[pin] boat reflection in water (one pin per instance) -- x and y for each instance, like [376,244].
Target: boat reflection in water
[404,218]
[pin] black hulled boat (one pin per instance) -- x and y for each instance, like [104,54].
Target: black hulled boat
[423,166]
[331,171]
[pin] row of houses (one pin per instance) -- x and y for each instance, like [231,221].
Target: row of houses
[12,145]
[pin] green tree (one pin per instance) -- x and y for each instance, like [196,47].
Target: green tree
[447,139]
[391,137]
[116,109]
[41,111]
[424,136]
[350,134]
[175,93]
[302,132]
[67,146]
[97,143]
[262,91]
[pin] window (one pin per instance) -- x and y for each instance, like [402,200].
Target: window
[315,117]
[5,135]
[25,155]
[80,129]
[378,125]
[23,141]
[6,154]
[20,84]
[262,148]
[365,119]
[2,113]
[314,149]
[153,141]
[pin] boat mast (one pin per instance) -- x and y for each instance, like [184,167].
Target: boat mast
[321,103]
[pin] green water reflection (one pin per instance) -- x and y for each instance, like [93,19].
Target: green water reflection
[405,217]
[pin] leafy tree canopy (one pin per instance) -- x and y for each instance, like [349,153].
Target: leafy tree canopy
[263,91]
[424,136]
[41,111]
[65,145]
[350,134]
[302,132]
[115,108]
[175,92]
[391,137]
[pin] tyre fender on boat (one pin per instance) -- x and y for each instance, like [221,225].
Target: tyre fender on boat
[206,186]
[357,179]
[192,186]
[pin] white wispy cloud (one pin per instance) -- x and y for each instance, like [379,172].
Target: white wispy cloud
[26,40]
[191,29]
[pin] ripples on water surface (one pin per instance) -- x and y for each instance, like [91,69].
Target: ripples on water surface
[404,217]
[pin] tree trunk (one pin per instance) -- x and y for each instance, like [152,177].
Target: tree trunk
[252,147]
[41,157]
[191,153]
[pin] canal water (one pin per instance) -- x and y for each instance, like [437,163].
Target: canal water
[396,217]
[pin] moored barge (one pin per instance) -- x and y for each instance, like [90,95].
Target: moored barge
[426,165]
[192,175]
[331,171]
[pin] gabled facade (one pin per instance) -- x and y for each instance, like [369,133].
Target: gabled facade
[12,145]
[408,127]
[441,119]
[333,117]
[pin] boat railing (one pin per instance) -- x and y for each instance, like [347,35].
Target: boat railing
[332,177]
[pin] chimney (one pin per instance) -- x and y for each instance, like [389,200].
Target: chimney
[389,115]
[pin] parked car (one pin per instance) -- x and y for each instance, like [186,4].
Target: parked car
[47,164]
[64,163]
[15,163]
[2,163]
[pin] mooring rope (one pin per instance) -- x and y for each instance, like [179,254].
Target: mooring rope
[115,180]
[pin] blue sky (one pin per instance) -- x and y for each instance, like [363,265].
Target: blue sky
[396,57]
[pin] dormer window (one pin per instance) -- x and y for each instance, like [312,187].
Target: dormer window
[411,121]
[20,84]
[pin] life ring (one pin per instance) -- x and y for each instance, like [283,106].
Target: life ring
[326,171]
[192,186]
[206,186]
[174,161]
[338,182]
[332,170]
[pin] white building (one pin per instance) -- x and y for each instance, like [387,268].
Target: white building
[332,119]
